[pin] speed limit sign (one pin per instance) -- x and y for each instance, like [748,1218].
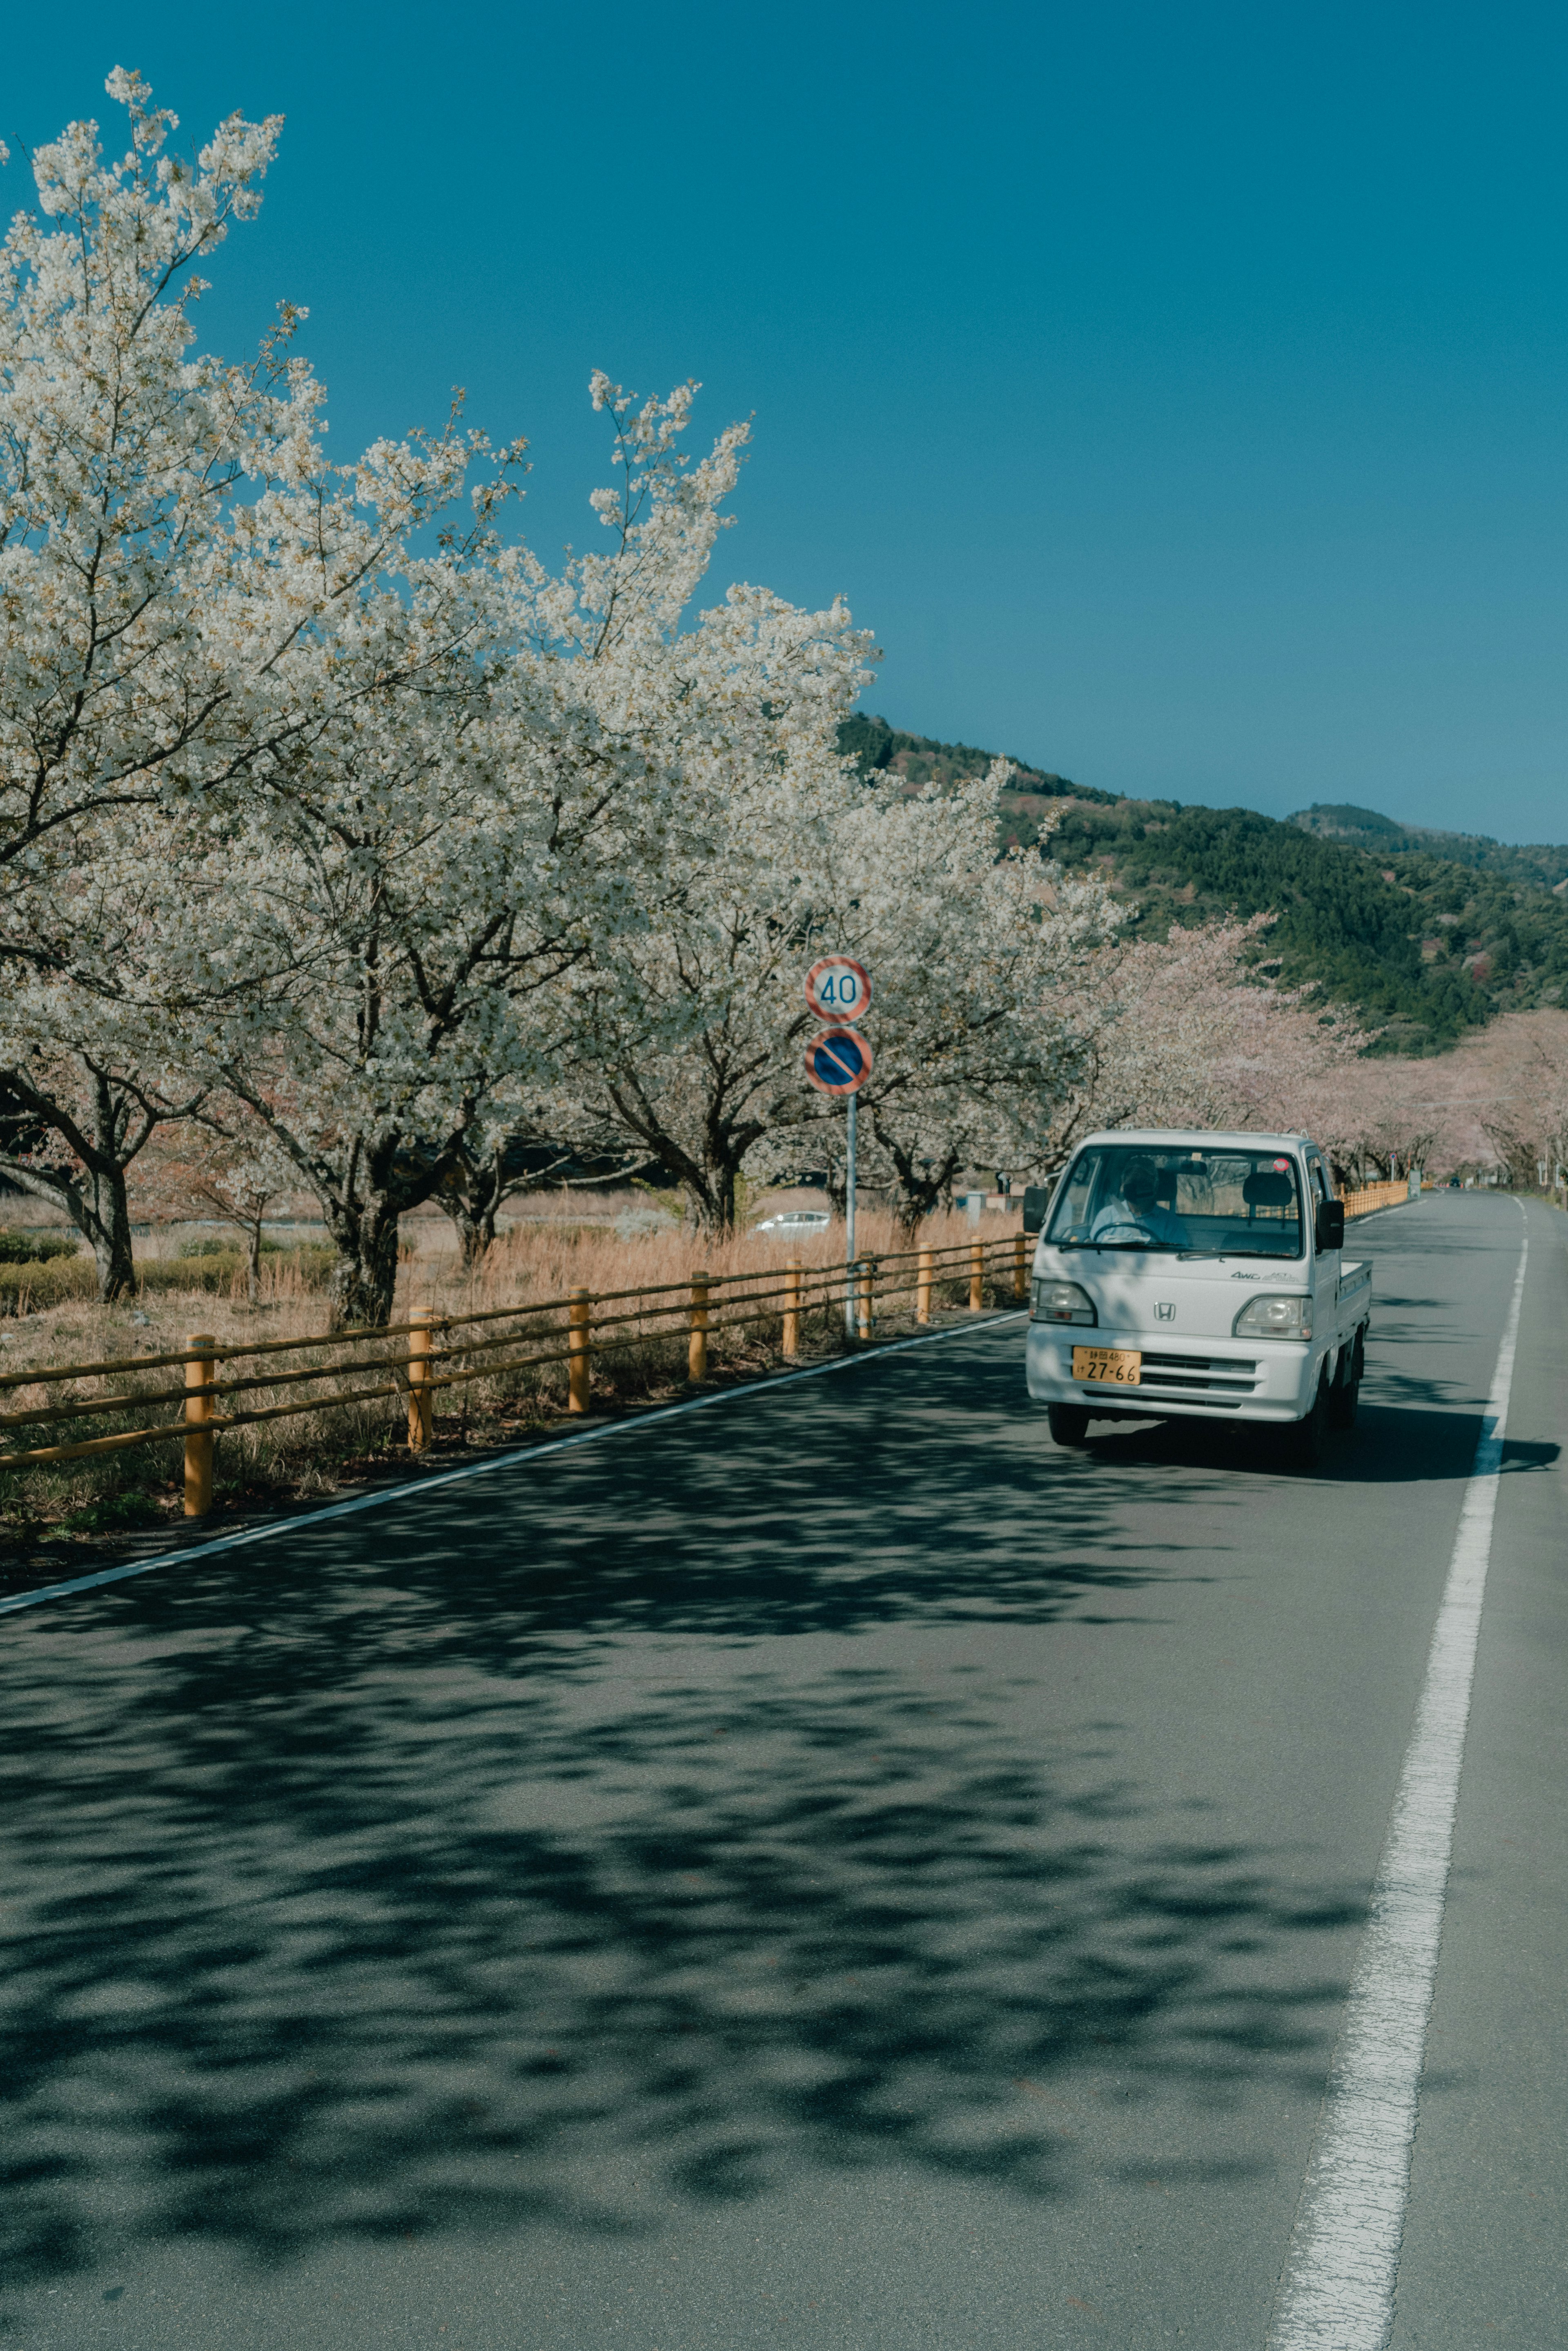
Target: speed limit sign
[838,989]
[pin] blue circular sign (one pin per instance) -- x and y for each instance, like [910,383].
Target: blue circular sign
[838,1061]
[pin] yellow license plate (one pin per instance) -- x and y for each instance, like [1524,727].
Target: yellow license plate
[1123,1366]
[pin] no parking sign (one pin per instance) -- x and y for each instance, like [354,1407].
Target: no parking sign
[838,1061]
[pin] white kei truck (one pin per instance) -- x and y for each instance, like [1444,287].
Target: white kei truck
[1196,1275]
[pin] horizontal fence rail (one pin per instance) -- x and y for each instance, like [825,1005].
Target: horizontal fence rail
[452,1351]
[1376,1196]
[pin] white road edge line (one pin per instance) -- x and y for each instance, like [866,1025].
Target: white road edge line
[1336,2289]
[484,1469]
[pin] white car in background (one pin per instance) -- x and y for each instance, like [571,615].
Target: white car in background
[796,1224]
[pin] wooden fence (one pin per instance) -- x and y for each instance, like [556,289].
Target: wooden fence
[1376,1196]
[449,1351]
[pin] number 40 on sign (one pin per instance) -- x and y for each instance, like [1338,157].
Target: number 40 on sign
[838,989]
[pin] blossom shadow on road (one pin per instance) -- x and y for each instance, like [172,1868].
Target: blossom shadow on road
[487,1863]
[418,1945]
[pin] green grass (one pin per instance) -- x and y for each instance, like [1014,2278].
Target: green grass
[115,1514]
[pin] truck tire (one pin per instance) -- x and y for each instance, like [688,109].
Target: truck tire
[1069,1423]
[1346,1395]
[1303,1446]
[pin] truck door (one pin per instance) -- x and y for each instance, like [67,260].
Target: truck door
[1325,1262]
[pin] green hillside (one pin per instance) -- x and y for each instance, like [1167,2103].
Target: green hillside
[1428,934]
[920,760]
[1534,865]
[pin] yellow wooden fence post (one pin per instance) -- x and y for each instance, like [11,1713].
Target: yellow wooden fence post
[579,1348]
[200,1366]
[1021,1265]
[865,1275]
[792,1307]
[977,1276]
[696,1345]
[421,1395]
[923,1287]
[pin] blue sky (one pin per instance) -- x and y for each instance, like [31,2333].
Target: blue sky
[1178,392]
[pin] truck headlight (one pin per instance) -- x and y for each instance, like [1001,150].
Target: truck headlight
[1060,1301]
[1275,1317]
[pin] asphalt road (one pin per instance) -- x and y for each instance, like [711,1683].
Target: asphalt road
[831,1869]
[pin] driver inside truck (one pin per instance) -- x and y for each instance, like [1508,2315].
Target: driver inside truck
[1134,1214]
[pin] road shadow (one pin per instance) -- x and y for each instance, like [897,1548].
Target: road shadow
[921,1489]
[460,1866]
[422,1945]
[1393,1443]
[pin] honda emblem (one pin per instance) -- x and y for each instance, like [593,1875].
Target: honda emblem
[1164,1312]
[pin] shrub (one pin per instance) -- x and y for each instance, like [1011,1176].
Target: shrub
[211,1269]
[219,1245]
[28,1289]
[35,1249]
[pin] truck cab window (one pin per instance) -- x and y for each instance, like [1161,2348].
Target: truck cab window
[1218,1202]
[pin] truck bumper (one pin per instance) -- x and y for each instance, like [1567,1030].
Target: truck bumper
[1202,1379]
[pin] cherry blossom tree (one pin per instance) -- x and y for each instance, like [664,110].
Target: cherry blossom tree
[71,1124]
[1183,1033]
[175,559]
[120,458]
[672,1035]
[1500,1097]
[432,876]
[974,961]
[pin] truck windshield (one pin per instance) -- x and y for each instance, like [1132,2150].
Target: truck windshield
[1218,1203]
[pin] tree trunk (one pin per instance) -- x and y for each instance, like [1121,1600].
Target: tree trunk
[111,1234]
[98,1205]
[712,1195]
[102,1134]
[365,1234]
[470,1194]
[253,1260]
[381,1175]
[475,1232]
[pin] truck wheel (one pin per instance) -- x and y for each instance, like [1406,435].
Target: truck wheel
[1069,1423]
[1345,1396]
[1304,1442]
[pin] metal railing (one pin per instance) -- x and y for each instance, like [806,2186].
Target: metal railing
[452,1351]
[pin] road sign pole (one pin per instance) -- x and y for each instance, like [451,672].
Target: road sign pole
[839,1062]
[850,1224]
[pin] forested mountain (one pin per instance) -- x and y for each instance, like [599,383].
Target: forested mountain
[920,760]
[1533,864]
[1428,933]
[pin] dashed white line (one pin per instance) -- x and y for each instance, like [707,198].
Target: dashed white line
[1336,2291]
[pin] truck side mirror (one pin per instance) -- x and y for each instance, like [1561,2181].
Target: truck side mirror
[1036,1200]
[1331,1225]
